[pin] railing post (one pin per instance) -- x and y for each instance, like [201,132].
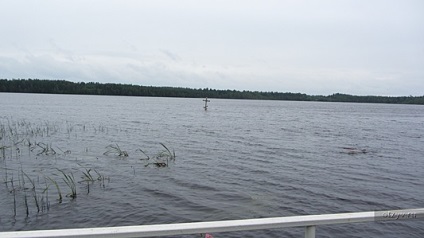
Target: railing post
[310,232]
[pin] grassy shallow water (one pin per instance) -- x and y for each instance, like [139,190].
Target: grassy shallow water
[42,168]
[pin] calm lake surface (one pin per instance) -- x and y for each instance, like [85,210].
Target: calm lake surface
[239,159]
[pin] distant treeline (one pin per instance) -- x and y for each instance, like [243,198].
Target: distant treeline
[67,87]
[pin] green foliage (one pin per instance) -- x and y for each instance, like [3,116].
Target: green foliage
[66,87]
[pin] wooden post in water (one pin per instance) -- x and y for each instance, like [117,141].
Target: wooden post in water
[206,103]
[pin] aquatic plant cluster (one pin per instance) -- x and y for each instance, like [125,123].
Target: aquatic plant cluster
[29,165]
[160,159]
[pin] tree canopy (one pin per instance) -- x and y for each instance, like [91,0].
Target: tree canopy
[93,88]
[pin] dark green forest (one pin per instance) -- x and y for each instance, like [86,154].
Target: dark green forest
[92,88]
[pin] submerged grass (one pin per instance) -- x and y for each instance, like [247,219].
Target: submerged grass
[26,204]
[57,188]
[115,150]
[14,197]
[145,154]
[87,177]
[3,151]
[169,155]
[70,182]
[162,158]
[46,149]
[34,192]
[90,178]
[32,195]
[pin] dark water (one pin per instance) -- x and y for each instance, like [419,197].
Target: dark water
[240,159]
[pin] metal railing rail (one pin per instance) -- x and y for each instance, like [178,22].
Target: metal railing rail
[308,221]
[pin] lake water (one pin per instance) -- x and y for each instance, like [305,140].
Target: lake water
[239,159]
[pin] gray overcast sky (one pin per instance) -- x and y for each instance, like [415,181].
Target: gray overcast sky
[316,47]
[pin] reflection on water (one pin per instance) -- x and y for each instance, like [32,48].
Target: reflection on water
[239,159]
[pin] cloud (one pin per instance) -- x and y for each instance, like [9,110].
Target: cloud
[170,55]
[156,70]
[317,48]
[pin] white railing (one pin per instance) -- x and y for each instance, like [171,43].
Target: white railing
[309,221]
